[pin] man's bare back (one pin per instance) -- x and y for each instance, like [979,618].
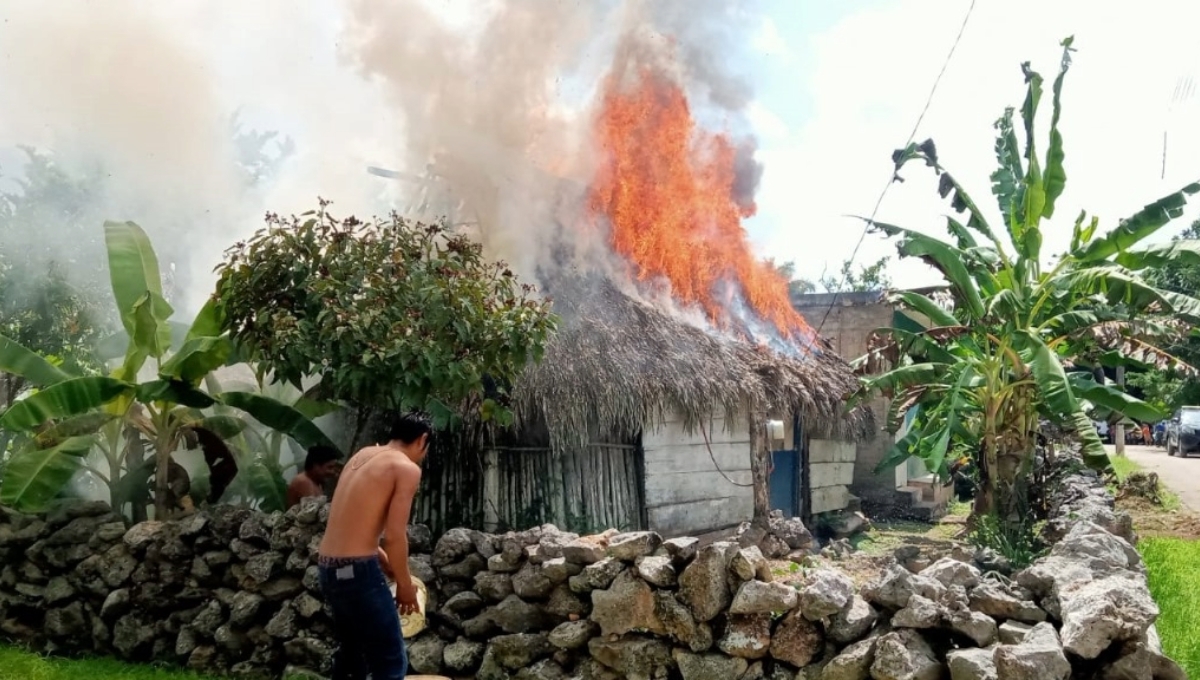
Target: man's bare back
[374,495]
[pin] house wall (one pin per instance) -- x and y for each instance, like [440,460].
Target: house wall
[831,471]
[847,325]
[685,492]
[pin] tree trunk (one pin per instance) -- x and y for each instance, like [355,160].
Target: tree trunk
[135,455]
[1119,431]
[760,471]
[162,472]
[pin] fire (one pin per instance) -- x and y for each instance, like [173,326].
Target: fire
[666,189]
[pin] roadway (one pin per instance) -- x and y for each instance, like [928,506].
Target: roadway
[1181,475]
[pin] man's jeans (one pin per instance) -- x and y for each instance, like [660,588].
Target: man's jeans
[365,620]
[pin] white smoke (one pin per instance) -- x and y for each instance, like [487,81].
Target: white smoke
[494,97]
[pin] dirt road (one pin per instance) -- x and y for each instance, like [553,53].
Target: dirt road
[1181,475]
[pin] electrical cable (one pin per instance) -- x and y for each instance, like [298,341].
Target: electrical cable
[866,227]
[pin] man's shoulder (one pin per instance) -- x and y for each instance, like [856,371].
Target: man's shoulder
[300,480]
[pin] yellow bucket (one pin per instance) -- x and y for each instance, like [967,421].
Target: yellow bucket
[412,624]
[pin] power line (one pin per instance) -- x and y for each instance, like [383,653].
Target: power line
[912,135]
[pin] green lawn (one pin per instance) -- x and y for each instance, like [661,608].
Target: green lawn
[1173,565]
[1174,568]
[16,664]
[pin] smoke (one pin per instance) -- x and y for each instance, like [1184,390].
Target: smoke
[492,99]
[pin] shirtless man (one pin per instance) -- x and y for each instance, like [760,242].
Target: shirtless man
[319,467]
[374,498]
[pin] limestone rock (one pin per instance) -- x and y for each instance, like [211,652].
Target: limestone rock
[905,655]
[747,637]
[657,571]
[797,640]
[971,664]
[951,572]
[709,666]
[1039,657]
[627,605]
[757,597]
[634,657]
[853,622]
[703,586]
[628,547]
[825,593]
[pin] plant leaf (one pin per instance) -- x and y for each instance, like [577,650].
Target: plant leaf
[198,357]
[1113,399]
[132,266]
[17,360]
[68,398]
[1133,230]
[278,416]
[34,477]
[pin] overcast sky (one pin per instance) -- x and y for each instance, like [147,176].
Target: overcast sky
[839,89]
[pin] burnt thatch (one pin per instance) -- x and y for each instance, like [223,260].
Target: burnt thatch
[617,364]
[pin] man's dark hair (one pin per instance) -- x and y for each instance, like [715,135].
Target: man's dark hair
[320,455]
[408,427]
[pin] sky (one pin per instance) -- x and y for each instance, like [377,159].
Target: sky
[837,86]
[840,85]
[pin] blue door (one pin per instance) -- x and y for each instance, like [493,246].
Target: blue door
[785,482]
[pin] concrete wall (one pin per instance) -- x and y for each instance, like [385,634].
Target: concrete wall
[846,326]
[831,471]
[685,491]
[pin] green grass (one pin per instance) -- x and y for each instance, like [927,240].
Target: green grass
[1174,569]
[1123,465]
[17,664]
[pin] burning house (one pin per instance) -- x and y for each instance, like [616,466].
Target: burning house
[678,357]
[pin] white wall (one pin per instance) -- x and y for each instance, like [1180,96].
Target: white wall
[685,492]
[831,471]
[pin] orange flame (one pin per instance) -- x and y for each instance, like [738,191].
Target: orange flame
[665,187]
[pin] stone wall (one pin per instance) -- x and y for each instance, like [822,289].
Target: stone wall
[235,592]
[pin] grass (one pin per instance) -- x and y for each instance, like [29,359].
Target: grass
[18,664]
[1174,569]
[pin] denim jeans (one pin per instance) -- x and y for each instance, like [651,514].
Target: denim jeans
[365,620]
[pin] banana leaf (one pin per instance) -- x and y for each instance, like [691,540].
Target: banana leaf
[17,360]
[34,477]
[133,269]
[73,397]
[278,416]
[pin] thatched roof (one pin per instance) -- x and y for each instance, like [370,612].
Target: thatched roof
[617,364]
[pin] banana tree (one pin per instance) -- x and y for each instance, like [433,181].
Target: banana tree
[125,417]
[985,370]
[260,452]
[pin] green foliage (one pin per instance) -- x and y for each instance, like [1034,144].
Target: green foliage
[387,314]
[38,307]
[18,664]
[123,417]
[1014,541]
[983,372]
[871,277]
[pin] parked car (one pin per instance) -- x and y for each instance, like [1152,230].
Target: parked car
[1183,432]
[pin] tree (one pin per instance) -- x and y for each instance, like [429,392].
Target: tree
[1169,388]
[39,307]
[387,314]
[122,417]
[868,278]
[984,374]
